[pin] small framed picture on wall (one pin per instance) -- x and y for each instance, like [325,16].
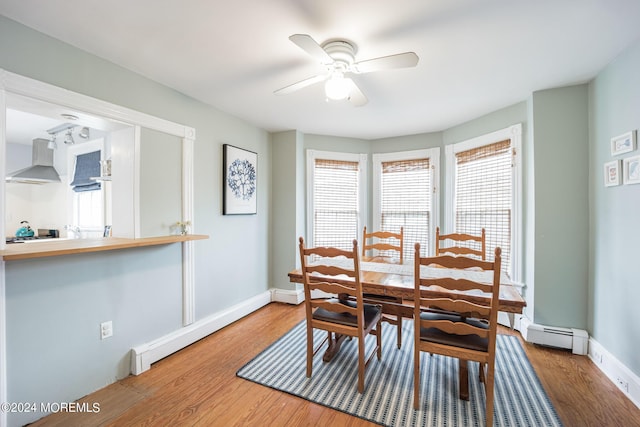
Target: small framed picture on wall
[612,173]
[624,143]
[631,170]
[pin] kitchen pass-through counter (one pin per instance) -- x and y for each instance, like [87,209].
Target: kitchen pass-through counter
[56,247]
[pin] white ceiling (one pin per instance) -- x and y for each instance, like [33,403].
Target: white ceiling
[476,56]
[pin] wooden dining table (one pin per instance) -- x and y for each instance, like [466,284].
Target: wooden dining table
[396,280]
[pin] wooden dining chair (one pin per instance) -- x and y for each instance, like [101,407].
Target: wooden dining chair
[370,241]
[468,337]
[391,305]
[344,314]
[461,239]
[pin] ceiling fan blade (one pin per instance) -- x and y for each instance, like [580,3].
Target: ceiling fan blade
[301,84]
[356,97]
[309,45]
[400,60]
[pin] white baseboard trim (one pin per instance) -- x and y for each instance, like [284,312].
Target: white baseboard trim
[144,355]
[288,296]
[617,372]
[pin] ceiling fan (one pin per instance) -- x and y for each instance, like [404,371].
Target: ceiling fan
[338,56]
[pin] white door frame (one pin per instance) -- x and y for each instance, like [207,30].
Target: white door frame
[14,84]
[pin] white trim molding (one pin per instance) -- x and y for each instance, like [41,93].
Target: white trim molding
[144,355]
[514,134]
[433,154]
[616,371]
[312,155]
[14,86]
[287,296]
[188,258]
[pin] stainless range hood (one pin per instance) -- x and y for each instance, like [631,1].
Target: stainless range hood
[41,170]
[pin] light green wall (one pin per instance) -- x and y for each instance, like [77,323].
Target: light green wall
[555,215]
[499,119]
[160,182]
[335,143]
[614,287]
[140,290]
[287,204]
[54,309]
[561,223]
[243,256]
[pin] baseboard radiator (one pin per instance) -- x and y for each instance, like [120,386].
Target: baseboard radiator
[576,340]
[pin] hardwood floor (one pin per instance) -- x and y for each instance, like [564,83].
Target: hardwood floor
[197,386]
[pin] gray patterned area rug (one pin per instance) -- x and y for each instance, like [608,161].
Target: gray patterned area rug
[520,399]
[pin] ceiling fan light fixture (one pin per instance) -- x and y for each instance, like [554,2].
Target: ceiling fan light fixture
[68,139]
[337,87]
[84,133]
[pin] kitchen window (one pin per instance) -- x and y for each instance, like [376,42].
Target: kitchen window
[87,195]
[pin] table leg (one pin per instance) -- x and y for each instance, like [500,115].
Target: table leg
[512,320]
[335,342]
[463,379]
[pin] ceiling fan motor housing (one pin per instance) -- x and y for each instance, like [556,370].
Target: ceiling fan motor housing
[342,52]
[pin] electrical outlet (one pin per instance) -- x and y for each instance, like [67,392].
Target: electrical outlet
[106,329]
[597,357]
[624,385]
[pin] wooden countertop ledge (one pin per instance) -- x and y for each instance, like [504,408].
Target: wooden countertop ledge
[55,247]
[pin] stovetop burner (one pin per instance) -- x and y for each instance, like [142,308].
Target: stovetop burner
[24,239]
[42,234]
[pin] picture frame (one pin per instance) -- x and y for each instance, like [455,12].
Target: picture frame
[239,181]
[631,170]
[612,173]
[624,143]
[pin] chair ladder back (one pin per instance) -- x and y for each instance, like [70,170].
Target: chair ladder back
[457,262]
[453,321]
[343,316]
[461,238]
[461,284]
[383,246]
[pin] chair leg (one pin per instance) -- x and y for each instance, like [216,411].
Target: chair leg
[399,330]
[379,339]
[361,363]
[416,377]
[309,349]
[488,387]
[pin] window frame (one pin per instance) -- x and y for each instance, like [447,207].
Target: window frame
[361,158]
[433,154]
[73,152]
[514,134]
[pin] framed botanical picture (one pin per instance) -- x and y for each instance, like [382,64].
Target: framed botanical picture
[624,143]
[612,173]
[240,181]
[631,170]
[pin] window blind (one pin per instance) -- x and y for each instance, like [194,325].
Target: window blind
[87,166]
[406,202]
[335,189]
[483,196]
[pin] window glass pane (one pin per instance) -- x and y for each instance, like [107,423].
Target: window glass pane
[483,196]
[406,202]
[335,192]
[89,204]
